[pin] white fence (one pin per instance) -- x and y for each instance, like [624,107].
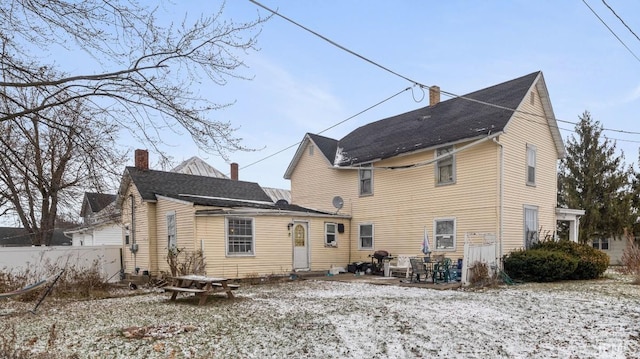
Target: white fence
[38,259]
[479,247]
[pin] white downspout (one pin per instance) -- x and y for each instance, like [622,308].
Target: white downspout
[501,201]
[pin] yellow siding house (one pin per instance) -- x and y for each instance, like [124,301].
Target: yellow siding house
[238,227]
[484,162]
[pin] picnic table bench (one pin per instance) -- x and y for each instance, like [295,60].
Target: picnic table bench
[201,286]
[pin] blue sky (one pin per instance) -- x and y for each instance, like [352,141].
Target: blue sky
[303,84]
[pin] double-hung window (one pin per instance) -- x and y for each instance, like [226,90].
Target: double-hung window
[365,175]
[530,226]
[172,240]
[127,234]
[446,166]
[531,165]
[240,240]
[330,234]
[365,236]
[445,233]
[601,244]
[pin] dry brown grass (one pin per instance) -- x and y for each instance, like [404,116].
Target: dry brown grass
[74,282]
[182,262]
[631,259]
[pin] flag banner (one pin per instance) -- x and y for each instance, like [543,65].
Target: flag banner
[425,242]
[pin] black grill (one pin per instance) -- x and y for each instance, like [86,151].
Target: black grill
[380,255]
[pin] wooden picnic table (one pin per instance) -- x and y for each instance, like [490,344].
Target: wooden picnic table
[201,286]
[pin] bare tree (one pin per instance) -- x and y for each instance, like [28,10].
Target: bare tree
[144,73]
[48,157]
[58,129]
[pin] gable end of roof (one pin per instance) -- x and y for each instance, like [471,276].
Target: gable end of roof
[326,145]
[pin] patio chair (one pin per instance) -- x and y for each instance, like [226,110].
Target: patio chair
[401,266]
[442,271]
[418,270]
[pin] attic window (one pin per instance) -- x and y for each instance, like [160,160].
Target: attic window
[532,98]
[311,149]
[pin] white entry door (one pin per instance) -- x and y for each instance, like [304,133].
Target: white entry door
[300,246]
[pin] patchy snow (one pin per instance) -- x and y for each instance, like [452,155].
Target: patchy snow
[330,319]
[340,157]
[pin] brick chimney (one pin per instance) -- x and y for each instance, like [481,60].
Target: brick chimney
[434,95]
[142,159]
[234,171]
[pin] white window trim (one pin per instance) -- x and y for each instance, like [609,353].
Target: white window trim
[226,237]
[453,166]
[127,234]
[600,241]
[524,222]
[435,234]
[531,148]
[335,234]
[373,237]
[364,167]
[175,229]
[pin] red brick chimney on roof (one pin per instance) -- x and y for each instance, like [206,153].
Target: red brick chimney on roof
[142,159]
[234,171]
[434,95]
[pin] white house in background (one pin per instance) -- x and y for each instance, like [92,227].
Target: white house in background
[101,222]
[613,247]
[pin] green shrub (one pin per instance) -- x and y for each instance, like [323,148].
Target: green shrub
[592,263]
[539,265]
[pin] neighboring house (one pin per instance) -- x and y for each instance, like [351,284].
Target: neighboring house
[101,223]
[238,227]
[19,237]
[196,166]
[470,164]
[613,247]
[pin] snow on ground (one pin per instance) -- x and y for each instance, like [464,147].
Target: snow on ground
[328,319]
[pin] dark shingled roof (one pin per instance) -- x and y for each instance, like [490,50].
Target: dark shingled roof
[19,237]
[170,184]
[326,145]
[98,201]
[207,191]
[447,122]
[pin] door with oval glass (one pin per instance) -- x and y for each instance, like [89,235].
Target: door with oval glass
[300,245]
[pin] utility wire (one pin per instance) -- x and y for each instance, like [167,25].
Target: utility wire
[622,21]
[450,94]
[614,34]
[332,126]
[335,43]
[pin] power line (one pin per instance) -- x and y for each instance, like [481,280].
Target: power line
[417,83]
[610,30]
[622,21]
[332,126]
[334,43]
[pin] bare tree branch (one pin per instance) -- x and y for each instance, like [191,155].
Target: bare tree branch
[144,69]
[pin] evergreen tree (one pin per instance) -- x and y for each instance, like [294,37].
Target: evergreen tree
[594,178]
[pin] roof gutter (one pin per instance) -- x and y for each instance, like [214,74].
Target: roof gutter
[426,163]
